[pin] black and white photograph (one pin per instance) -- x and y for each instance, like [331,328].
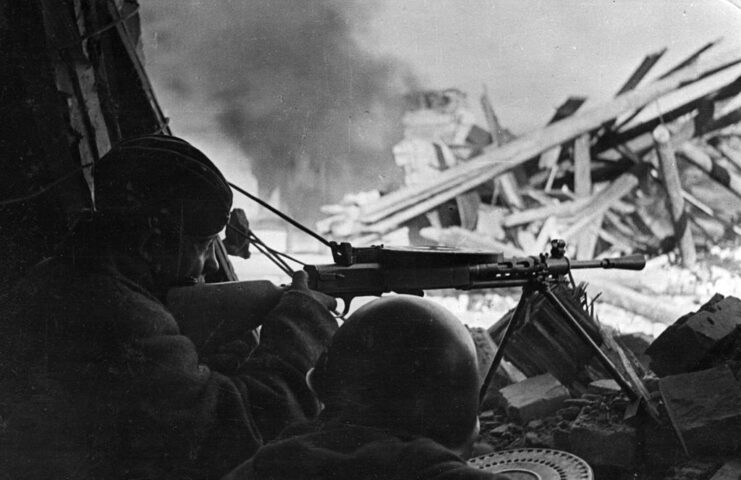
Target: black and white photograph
[370,239]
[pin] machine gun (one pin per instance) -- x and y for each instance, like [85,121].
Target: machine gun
[377,270]
[373,271]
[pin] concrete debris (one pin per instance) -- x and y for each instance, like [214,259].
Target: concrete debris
[599,436]
[689,343]
[535,397]
[705,409]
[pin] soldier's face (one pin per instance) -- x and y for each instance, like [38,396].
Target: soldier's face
[192,260]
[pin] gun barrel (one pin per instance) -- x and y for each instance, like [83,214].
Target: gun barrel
[629,262]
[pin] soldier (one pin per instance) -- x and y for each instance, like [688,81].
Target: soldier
[96,379]
[399,385]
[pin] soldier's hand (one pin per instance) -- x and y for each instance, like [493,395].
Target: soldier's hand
[301,283]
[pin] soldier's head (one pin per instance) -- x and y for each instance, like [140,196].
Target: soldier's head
[404,363]
[161,199]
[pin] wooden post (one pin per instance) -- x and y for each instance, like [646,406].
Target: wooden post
[582,166]
[669,171]
[586,240]
[506,181]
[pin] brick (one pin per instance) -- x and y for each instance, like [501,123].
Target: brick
[705,409]
[535,397]
[690,340]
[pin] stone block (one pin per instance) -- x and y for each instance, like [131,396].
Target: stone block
[705,409]
[685,345]
[661,447]
[535,397]
[730,471]
[603,442]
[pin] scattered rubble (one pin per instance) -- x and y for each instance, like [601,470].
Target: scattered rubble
[686,344]
[612,179]
[695,436]
[705,409]
[592,176]
[533,398]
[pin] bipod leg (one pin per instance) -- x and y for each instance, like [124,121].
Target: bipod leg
[603,358]
[527,292]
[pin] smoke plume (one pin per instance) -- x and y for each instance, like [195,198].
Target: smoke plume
[314,110]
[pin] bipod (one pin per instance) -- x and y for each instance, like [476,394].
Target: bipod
[636,393]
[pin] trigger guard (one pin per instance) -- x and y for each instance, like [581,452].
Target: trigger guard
[346,301]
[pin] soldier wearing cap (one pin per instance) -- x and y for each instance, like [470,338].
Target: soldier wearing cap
[399,385]
[96,379]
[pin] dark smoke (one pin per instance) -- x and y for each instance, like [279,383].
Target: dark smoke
[315,111]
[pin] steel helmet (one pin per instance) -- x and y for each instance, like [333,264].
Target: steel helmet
[405,363]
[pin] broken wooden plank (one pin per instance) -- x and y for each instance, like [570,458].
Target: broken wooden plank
[563,209]
[599,203]
[691,60]
[627,298]
[721,175]
[587,238]
[670,174]
[479,170]
[549,158]
[582,166]
[646,65]
[733,155]
[507,181]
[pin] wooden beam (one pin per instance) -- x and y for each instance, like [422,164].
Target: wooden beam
[733,155]
[701,160]
[691,60]
[601,202]
[564,209]
[670,173]
[495,161]
[586,240]
[582,166]
[639,73]
[549,158]
[507,181]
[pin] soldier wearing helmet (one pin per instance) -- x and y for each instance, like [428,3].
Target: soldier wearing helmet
[399,385]
[96,379]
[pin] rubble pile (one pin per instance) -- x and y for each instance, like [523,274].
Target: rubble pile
[657,170]
[692,379]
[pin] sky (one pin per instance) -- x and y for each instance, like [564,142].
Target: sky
[532,54]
